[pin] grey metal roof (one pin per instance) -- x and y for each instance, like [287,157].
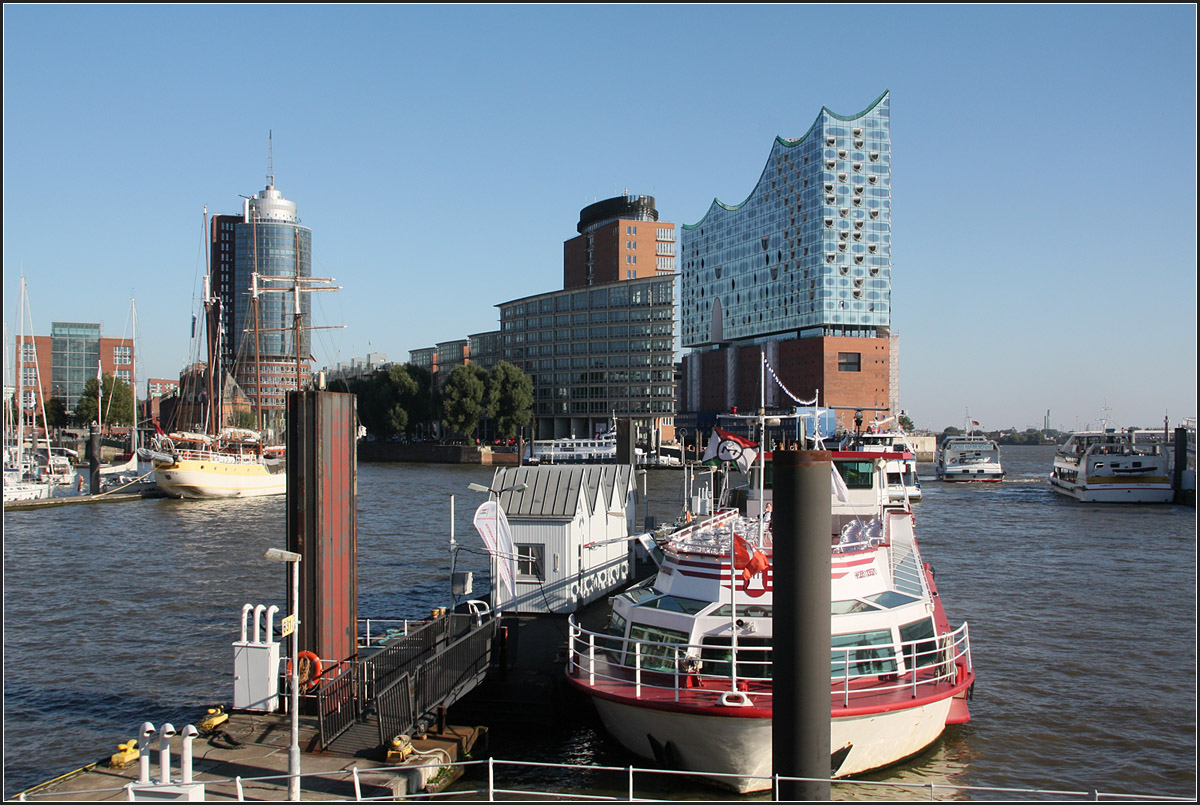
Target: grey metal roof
[556,492]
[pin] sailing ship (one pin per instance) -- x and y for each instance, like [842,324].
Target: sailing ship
[23,479]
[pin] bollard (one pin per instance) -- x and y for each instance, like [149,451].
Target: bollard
[93,457]
[144,760]
[803,527]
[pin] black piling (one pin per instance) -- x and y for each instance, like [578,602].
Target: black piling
[93,459]
[802,528]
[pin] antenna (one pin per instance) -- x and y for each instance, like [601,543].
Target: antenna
[270,158]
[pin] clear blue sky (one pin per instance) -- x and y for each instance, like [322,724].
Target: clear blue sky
[1044,169]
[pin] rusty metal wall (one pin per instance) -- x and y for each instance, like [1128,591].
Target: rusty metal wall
[322,519]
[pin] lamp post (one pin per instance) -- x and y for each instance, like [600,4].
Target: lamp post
[493,567]
[293,558]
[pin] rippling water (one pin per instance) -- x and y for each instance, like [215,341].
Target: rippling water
[1082,617]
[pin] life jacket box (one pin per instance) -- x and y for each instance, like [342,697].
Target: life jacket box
[256,676]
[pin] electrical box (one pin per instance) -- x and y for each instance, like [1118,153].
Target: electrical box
[256,676]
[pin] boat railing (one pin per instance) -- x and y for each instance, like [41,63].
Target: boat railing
[217,456]
[647,668]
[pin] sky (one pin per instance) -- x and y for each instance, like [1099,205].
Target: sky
[1043,170]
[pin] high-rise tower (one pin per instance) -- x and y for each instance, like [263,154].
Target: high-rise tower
[800,270]
[266,240]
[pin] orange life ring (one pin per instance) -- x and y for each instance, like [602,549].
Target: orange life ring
[309,670]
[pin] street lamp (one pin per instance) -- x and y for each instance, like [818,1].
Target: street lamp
[293,558]
[493,567]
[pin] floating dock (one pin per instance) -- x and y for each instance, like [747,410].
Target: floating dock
[231,760]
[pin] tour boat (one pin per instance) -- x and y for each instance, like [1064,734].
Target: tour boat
[1109,466]
[900,472]
[682,672]
[969,457]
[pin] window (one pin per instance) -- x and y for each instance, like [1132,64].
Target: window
[849,361]
[862,661]
[531,562]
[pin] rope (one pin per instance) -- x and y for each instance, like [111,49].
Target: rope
[122,486]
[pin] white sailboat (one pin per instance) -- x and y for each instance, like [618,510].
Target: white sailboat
[21,478]
[136,474]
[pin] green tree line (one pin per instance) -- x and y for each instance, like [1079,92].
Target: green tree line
[402,399]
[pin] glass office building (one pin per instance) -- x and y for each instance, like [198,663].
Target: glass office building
[75,354]
[808,253]
[271,241]
[594,353]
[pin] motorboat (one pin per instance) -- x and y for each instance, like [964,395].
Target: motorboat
[682,673]
[1111,466]
[968,457]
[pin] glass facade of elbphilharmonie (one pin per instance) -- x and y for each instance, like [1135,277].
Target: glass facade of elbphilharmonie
[808,253]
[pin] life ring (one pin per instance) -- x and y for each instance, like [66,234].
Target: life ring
[309,670]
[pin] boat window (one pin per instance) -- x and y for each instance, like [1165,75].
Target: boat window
[862,661]
[891,599]
[856,474]
[850,607]
[639,594]
[753,658]
[673,603]
[656,657]
[923,648]
[615,625]
[894,478]
[746,611]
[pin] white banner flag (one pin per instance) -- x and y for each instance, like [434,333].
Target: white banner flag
[492,525]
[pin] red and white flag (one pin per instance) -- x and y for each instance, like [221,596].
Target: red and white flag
[751,561]
[726,446]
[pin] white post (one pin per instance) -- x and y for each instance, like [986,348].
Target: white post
[294,748]
[293,558]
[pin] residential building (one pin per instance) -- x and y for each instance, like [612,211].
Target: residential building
[619,239]
[798,273]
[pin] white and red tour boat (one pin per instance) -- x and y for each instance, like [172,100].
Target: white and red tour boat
[682,672]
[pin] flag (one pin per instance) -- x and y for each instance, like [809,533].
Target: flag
[973,422]
[840,490]
[492,526]
[726,446]
[751,561]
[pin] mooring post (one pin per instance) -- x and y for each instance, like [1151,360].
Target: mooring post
[93,457]
[1179,463]
[802,529]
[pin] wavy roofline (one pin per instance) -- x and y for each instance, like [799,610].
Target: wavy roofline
[786,143]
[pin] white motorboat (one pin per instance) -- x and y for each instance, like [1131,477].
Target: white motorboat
[1111,466]
[968,457]
[672,684]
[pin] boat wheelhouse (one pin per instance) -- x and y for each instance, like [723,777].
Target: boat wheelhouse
[682,673]
[1110,466]
[900,472]
[969,457]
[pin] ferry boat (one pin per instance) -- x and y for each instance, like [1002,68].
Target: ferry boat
[901,469]
[1110,466]
[970,457]
[672,684]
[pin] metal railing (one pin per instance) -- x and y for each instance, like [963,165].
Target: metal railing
[923,666]
[628,775]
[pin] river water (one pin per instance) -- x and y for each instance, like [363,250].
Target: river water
[1082,617]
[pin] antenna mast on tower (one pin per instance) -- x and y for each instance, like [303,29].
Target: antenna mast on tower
[270,159]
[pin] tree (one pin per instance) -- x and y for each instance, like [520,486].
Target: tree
[510,399]
[56,413]
[464,398]
[383,400]
[906,423]
[118,402]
